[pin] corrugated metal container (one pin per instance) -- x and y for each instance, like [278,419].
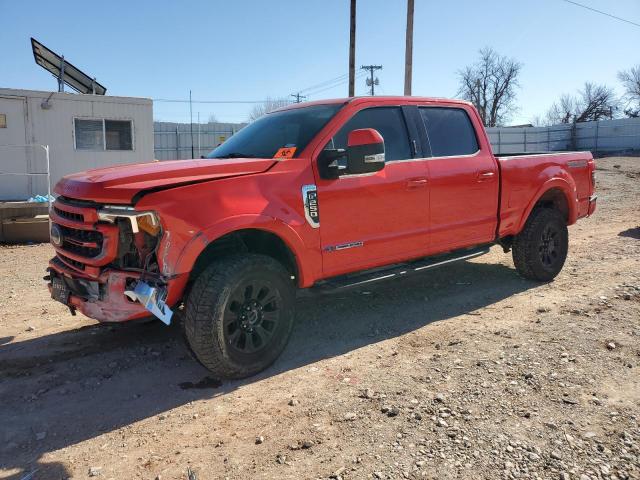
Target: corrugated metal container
[46,118]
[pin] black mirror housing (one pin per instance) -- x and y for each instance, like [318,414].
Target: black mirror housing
[328,167]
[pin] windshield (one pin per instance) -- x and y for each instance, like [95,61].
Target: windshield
[263,138]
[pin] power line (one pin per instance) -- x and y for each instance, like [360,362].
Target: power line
[312,90]
[172,100]
[325,82]
[328,85]
[602,13]
[358,75]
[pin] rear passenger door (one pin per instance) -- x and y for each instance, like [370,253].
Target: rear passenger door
[462,178]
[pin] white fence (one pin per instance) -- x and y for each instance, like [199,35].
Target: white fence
[603,136]
[172,141]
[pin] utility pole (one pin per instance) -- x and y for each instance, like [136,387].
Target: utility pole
[408,52]
[297,96]
[352,49]
[372,82]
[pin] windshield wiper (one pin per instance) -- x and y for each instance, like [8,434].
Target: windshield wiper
[237,155]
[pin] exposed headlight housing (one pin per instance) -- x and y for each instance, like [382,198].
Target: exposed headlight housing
[147,221]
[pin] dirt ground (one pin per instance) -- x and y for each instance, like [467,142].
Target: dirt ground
[464,372]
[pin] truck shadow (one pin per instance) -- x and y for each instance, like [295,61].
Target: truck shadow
[61,389]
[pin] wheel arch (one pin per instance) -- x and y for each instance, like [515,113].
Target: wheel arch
[556,193]
[261,235]
[247,240]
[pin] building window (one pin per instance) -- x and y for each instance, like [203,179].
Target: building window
[103,134]
[3,120]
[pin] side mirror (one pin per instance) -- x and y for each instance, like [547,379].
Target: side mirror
[364,154]
[365,151]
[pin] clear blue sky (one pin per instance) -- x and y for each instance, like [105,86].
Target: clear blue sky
[249,50]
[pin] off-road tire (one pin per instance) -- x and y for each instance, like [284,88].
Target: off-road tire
[540,249]
[214,301]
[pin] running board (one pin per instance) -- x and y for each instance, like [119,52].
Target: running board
[401,270]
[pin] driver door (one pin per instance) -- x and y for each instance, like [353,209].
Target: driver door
[369,220]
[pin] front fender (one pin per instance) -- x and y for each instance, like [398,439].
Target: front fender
[563,182]
[303,255]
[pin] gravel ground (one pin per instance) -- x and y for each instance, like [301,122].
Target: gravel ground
[464,372]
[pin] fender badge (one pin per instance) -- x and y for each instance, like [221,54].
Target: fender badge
[311,207]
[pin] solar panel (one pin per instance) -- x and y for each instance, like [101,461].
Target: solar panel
[65,71]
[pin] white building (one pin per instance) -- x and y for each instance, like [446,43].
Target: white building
[82,132]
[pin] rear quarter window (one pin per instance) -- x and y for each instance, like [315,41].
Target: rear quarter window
[450,131]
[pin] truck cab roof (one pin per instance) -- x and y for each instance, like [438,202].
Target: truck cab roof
[378,99]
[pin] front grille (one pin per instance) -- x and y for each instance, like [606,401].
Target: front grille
[88,245]
[74,217]
[74,263]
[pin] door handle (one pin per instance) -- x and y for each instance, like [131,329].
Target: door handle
[483,176]
[417,182]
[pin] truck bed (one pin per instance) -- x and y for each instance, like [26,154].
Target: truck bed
[568,173]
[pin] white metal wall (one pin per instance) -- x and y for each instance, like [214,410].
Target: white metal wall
[603,136]
[172,141]
[53,126]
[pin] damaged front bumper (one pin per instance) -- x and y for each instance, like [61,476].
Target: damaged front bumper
[116,295]
[153,299]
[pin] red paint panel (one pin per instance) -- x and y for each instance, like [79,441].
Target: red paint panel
[364,136]
[119,184]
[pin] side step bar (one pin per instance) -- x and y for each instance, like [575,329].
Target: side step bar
[401,270]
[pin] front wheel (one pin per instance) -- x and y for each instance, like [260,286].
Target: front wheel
[540,249]
[239,314]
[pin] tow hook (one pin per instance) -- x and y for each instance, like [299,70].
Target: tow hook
[152,298]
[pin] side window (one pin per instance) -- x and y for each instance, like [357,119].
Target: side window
[450,131]
[389,121]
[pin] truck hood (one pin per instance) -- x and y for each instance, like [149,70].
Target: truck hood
[119,184]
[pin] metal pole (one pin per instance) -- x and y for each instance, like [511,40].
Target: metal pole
[46,153]
[191,123]
[177,143]
[352,49]
[199,152]
[408,52]
[61,77]
[548,139]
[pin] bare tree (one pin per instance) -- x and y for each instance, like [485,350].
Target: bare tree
[538,121]
[212,118]
[630,80]
[269,105]
[593,102]
[562,111]
[490,84]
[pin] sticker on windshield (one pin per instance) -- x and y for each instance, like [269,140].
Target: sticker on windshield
[285,152]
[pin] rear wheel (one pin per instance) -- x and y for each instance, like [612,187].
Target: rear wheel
[239,314]
[540,249]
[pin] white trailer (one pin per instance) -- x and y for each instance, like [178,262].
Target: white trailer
[82,132]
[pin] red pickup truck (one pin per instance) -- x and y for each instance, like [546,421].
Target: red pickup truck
[321,196]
